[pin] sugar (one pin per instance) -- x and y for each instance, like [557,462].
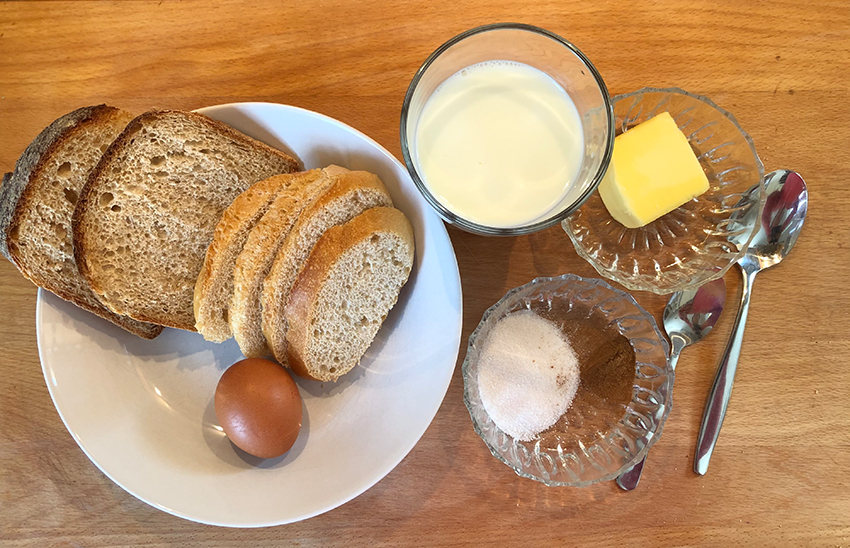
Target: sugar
[528,374]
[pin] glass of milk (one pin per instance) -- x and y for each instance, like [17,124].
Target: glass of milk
[507,129]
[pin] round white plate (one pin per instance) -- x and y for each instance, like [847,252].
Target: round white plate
[142,410]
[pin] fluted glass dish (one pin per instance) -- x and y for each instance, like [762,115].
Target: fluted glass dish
[698,241]
[605,431]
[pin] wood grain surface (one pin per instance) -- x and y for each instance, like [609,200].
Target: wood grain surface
[779,476]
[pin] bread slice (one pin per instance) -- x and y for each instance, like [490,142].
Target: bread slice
[149,209]
[258,253]
[343,294]
[37,203]
[214,288]
[351,194]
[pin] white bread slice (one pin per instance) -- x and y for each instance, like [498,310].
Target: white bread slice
[214,288]
[343,294]
[261,247]
[37,202]
[149,209]
[351,194]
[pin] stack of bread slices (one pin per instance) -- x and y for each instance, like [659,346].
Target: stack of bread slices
[174,219]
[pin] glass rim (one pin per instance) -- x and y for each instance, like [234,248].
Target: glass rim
[486,230]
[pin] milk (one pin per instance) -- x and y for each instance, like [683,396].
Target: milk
[499,143]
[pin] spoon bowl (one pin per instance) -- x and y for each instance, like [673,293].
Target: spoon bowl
[781,221]
[690,315]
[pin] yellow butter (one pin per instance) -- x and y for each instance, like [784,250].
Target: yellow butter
[652,172]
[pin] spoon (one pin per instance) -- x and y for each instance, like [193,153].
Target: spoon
[688,317]
[781,222]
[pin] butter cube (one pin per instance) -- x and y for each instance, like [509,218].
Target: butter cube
[652,172]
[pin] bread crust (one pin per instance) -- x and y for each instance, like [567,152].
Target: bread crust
[84,203]
[277,285]
[5,218]
[314,275]
[17,196]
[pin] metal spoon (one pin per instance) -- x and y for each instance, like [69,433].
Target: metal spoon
[781,222]
[688,317]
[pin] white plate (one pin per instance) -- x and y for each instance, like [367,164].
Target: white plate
[142,410]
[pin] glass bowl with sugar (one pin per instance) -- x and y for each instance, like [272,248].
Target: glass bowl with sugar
[566,380]
[506,129]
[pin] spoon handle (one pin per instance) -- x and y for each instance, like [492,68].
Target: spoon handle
[721,390]
[629,479]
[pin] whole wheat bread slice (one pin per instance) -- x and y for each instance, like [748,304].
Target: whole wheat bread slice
[351,194]
[37,202]
[261,247]
[149,209]
[343,294]
[214,288]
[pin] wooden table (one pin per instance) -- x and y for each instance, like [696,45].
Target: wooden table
[780,472]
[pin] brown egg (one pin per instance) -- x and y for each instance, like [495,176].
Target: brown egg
[258,405]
